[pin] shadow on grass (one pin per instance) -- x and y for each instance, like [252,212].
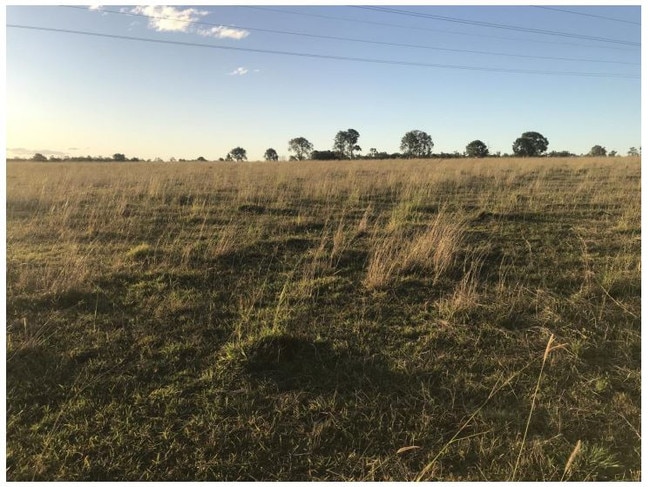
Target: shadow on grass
[298,362]
[38,378]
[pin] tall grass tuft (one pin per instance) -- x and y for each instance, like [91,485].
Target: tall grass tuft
[430,251]
[549,348]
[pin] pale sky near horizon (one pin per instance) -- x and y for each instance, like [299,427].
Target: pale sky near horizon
[459,73]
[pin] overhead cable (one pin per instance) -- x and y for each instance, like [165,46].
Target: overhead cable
[367,41]
[498,26]
[414,27]
[587,15]
[324,56]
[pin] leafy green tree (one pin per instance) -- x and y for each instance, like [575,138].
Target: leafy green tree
[302,147]
[39,157]
[271,155]
[237,154]
[477,148]
[416,144]
[201,158]
[612,153]
[530,144]
[597,151]
[633,152]
[119,157]
[345,143]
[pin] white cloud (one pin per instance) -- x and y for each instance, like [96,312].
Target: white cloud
[95,7]
[240,71]
[223,32]
[170,19]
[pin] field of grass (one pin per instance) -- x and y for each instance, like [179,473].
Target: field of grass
[367,320]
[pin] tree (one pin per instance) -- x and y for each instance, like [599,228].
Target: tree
[201,158]
[270,155]
[633,152]
[119,157]
[301,146]
[416,144]
[39,157]
[237,154]
[477,148]
[530,144]
[597,151]
[612,153]
[345,142]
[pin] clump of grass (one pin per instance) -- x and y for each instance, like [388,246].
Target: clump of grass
[384,262]
[466,294]
[430,251]
[140,252]
[435,249]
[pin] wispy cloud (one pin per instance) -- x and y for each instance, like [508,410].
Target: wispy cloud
[240,71]
[223,32]
[170,19]
[95,7]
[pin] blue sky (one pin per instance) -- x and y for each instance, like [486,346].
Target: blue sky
[70,94]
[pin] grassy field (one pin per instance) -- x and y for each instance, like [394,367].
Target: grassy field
[367,320]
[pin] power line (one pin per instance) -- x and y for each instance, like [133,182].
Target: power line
[498,26]
[385,24]
[323,56]
[588,15]
[367,41]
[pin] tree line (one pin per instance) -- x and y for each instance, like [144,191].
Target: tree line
[415,144]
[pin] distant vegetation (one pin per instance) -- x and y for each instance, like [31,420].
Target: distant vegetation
[414,144]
